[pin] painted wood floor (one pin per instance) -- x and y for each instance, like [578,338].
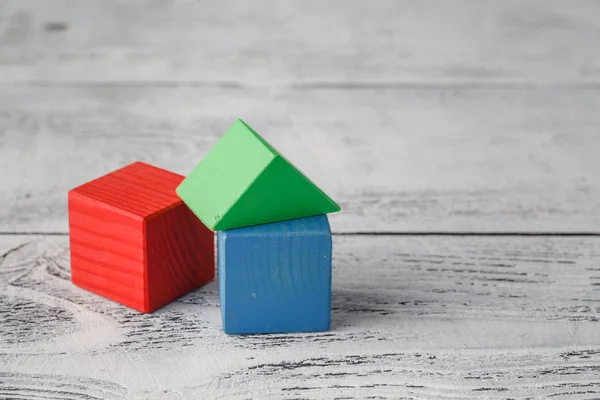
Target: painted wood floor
[461,139]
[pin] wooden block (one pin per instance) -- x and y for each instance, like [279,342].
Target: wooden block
[243,181]
[134,241]
[276,277]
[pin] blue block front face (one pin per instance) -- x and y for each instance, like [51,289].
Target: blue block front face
[276,277]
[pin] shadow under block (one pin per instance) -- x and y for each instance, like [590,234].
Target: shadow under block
[243,181]
[133,240]
[276,278]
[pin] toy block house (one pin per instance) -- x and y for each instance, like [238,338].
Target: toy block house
[273,241]
[134,241]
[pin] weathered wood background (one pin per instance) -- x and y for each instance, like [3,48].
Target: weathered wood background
[457,118]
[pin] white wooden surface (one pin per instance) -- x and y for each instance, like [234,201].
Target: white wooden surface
[271,43]
[457,116]
[395,159]
[415,317]
[417,116]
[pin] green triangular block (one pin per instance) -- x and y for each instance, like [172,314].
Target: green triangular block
[243,181]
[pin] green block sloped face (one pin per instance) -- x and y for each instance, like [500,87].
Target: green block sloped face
[243,181]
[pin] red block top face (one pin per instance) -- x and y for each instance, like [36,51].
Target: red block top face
[139,189]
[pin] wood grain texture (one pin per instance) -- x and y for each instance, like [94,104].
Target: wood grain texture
[307,42]
[108,255]
[180,253]
[429,116]
[132,240]
[396,159]
[413,317]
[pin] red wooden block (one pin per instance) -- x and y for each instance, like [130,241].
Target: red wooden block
[134,241]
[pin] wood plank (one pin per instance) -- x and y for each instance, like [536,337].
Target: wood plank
[399,159]
[413,317]
[273,43]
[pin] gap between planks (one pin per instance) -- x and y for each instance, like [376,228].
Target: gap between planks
[311,85]
[407,233]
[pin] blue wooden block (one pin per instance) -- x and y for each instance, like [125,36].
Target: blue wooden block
[276,277]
